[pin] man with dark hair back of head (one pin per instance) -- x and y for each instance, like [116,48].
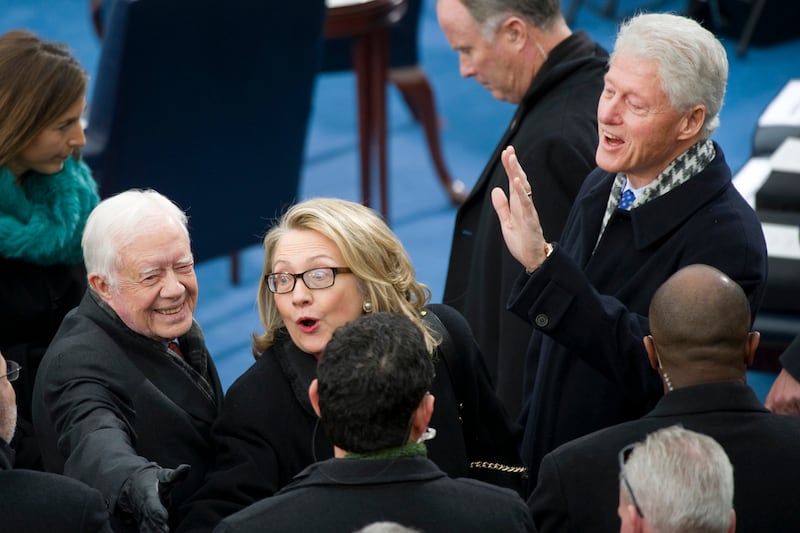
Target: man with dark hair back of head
[371,394]
[677,480]
[700,345]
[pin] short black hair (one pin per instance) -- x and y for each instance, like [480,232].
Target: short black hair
[372,376]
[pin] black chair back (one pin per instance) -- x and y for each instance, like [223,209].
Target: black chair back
[208,102]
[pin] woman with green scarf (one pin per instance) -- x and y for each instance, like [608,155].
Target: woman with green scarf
[46,193]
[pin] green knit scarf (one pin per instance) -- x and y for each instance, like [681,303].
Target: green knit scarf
[42,218]
[414,449]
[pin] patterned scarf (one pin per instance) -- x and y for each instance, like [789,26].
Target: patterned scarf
[684,167]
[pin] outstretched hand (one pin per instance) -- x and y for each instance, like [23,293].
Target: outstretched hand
[519,220]
[784,396]
[143,496]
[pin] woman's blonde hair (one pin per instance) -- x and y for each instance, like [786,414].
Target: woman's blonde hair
[39,82]
[369,248]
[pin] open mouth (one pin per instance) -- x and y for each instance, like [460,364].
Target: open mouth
[612,140]
[307,324]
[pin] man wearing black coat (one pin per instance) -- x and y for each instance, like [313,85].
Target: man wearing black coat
[372,397]
[558,76]
[40,501]
[661,199]
[126,393]
[701,345]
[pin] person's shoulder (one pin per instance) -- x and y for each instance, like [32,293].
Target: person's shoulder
[76,501]
[449,316]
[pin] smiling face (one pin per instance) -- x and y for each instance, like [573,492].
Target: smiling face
[491,63]
[311,316]
[640,134]
[156,288]
[48,151]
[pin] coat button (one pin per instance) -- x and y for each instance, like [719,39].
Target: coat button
[542,320]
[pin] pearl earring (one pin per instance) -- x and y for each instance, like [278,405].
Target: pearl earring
[367,307]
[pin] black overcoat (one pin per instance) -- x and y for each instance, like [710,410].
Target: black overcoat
[108,401]
[554,133]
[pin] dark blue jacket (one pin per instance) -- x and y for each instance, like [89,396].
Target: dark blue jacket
[587,367]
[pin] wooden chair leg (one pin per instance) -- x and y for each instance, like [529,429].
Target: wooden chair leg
[234,268]
[417,92]
[749,27]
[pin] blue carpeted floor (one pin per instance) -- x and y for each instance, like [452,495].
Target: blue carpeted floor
[420,212]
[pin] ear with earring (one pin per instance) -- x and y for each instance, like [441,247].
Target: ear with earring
[650,345]
[367,306]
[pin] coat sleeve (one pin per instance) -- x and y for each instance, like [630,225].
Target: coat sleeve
[90,409]
[559,300]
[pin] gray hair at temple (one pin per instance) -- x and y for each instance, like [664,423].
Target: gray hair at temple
[117,221]
[683,482]
[693,64]
[542,14]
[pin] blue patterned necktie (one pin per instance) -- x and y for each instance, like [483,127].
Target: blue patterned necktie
[627,200]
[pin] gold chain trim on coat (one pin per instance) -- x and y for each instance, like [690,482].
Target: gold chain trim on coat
[501,467]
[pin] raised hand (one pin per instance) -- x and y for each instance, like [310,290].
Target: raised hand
[519,220]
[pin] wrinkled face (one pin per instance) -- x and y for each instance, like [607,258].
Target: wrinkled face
[638,129]
[312,315]
[48,151]
[156,290]
[8,405]
[491,63]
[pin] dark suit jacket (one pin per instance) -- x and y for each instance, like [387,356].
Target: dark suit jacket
[344,495]
[587,368]
[41,502]
[554,132]
[107,402]
[578,487]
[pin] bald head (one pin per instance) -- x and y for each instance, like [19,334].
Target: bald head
[699,316]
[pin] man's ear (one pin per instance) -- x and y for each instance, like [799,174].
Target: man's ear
[422,416]
[514,30]
[650,347]
[100,285]
[692,122]
[753,339]
[313,395]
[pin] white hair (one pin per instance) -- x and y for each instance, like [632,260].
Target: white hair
[118,220]
[692,63]
[682,481]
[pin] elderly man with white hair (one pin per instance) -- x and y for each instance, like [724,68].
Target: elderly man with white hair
[127,392]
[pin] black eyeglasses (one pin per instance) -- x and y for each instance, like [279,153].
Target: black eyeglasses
[12,370]
[316,278]
[623,458]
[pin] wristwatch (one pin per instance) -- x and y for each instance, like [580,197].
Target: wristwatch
[548,249]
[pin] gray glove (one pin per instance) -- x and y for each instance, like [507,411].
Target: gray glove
[143,494]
